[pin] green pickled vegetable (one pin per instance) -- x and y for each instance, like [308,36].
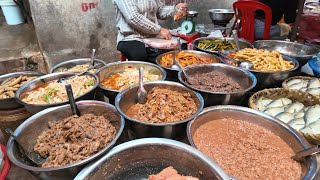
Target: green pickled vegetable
[216,45]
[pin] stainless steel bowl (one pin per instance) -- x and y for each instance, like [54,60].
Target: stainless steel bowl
[269,79]
[140,158]
[302,53]
[245,79]
[192,14]
[34,108]
[72,63]
[28,132]
[243,43]
[139,129]
[11,103]
[296,141]
[221,14]
[172,71]
[119,67]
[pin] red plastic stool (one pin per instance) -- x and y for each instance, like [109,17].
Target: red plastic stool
[6,166]
[123,57]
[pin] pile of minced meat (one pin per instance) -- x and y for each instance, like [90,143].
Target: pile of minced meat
[74,139]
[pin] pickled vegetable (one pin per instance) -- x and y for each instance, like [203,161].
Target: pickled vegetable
[216,45]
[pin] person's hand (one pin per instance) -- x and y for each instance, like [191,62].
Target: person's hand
[165,33]
[182,7]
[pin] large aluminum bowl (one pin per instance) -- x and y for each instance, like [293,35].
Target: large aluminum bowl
[140,158]
[72,63]
[11,103]
[269,79]
[302,53]
[224,15]
[246,80]
[140,129]
[34,108]
[296,141]
[172,71]
[243,43]
[28,132]
[118,67]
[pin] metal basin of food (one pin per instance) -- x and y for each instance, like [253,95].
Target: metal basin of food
[11,103]
[119,67]
[34,108]
[28,132]
[143,157]
[302,53]
[72,63]
[243,43]
[222,15]
[245,79]
[140,129]
[296,141]
[172,72]
[269,79]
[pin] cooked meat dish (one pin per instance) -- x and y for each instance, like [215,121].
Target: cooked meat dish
[74,139]
[163,106]
[170,173]
[214,82]
[247,151]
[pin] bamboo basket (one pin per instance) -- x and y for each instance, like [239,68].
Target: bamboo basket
[296,96]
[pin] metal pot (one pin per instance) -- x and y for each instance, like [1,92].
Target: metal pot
[172,71]
[11,103]
[28,132]
[246,80]
[269,79]
[243,43]
[302,53]
[34,108]
[119,67]
[140,158]
[71,63]
[139,129]
[284,131]
[224,15]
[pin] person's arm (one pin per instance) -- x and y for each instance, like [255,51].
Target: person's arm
[291,12]
[134,18]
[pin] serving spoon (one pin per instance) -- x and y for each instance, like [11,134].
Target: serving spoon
[93,55]
[34,158]
[141,95]
[306,152]
[74,107]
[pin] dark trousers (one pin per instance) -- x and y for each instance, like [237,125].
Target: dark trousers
[136,51]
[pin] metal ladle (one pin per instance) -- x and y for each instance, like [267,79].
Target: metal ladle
[74,107]
[305,153]
[35,158]
[93,55]
[141,96]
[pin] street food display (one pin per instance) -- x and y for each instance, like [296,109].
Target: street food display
[263,60]
[74,139]
[127,78]
[247,151]
[170,173]
[10,86]
[305,84]
[184,58]
[54,92]
[216,45]
[164,106]
[77,68]
[214,81]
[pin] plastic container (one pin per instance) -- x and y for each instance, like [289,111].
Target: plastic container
[12,12]
[312,68]
[6,167]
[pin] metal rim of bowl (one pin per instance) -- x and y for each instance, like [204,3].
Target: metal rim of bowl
[273,120]
[57,66]
[163,72]
[150,141]
[252,76]
[39,114]
[18,93]
[288,42]
[212,38]
[221,11]
[191,51]
[287,58]
[21,73]
[198,95]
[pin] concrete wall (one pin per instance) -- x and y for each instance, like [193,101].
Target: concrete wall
[68,30]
